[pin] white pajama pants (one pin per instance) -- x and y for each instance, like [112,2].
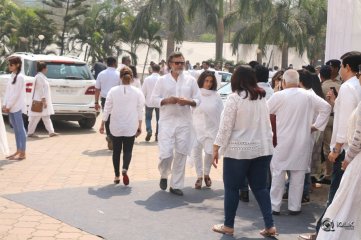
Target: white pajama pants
[34,120]
[177,169]
[295,189]
[196,155]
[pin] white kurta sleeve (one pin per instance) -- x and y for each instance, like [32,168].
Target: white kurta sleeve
[347,105]
[196,93]
[228,120]
[324,110]
[274,103]
[157,96]
[15,91]
[355,145]
[108,106]
[140,106]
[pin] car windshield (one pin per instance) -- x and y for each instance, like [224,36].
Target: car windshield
[225,90]
[73,71]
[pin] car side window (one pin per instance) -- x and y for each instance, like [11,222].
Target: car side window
[29,68]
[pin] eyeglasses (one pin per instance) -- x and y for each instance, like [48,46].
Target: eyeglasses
[179,63]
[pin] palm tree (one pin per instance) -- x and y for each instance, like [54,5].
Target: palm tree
[172,11]
[214,13]
[149,37]
[254,17]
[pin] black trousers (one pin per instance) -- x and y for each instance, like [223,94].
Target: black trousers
[119,143]
[107,123]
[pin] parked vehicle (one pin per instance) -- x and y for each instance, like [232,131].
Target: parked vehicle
[224,91]
[71,82]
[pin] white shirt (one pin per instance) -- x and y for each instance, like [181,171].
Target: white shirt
[15,94]
[125,105]
[295,109]
[347,100]
[147,88]
[245,130]
[267,87]
[186,87]
[42,90]
[107,79]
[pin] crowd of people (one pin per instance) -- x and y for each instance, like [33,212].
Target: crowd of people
[277,138]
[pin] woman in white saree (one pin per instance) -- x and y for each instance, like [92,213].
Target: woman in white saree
[206,119]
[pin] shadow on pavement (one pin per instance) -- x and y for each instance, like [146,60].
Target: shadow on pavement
[96,153]
[109,191]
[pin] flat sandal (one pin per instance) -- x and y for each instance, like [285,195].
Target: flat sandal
[220,228]
[267,233]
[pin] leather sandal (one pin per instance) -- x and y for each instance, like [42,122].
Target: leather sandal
[220,228]
[207,181]
[198,184]
[12,156]
[270,232]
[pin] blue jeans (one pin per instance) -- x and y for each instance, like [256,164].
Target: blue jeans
[148,119]
[234,173]
[16,120]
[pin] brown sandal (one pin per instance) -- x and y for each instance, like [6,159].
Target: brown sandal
[207,181]
[220,228]
[198,184]
[270,232]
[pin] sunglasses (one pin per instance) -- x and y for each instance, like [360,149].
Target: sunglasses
[179,63]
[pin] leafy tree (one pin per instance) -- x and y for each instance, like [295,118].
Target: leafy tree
[172,11]
[214,13]
[69,12]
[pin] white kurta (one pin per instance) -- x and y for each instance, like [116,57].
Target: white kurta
[206,118]
[346,205]
[14,98]
[4,146]
[174,117]
[42,90]
[294,109]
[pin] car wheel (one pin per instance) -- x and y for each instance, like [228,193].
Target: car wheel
[87,123]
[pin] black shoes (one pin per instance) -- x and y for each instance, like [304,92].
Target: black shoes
[276,213]
[163,183]
[244,196]
[147,138]
[177,192]
[293,213]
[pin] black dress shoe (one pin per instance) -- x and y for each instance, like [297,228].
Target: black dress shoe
[163,183]
[147,138]
[293,213]
[176,191]
[244,196]
[276,213]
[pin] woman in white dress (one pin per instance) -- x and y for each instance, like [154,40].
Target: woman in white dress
[342,219]
[4,146]
[41,92]
[206,118]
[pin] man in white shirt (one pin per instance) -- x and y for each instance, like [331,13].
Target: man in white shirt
[175,93]
[347,100]
[147,88]
[294,108]
[106,79]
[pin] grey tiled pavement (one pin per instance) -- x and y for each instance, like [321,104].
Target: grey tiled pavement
[78,159]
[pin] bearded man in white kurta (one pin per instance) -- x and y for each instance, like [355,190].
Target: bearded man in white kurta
[294,109]
[175,93]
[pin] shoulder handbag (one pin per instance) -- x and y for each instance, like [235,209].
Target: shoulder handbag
[36,106]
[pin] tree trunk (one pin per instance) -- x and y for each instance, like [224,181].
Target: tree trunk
[62,40]
[220,32]
[259,57]
[285,55]
[145,63]
[170,43]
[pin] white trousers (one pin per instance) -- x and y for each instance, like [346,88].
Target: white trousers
[177,169]
[295,189]
[196,155]
[34,120]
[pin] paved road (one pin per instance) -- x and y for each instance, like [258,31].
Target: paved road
[75,158]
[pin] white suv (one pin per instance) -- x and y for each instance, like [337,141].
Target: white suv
[71,82]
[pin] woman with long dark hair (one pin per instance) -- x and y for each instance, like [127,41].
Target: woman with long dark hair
[14,104]
[245,140]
